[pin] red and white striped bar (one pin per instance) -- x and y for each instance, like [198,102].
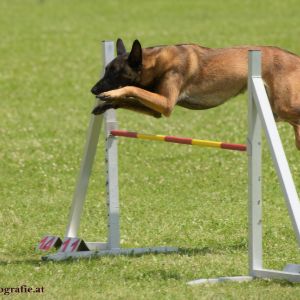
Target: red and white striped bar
[179,140]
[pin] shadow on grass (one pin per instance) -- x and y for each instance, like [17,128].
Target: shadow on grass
[214,249]
[159,274]
[33,262]
[196,251]
[9,262]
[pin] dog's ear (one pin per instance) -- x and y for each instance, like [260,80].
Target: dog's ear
[120,47]
[135,56]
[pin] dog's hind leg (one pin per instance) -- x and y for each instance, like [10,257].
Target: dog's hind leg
[297,135]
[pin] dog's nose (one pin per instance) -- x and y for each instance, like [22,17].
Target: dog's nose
[94,91]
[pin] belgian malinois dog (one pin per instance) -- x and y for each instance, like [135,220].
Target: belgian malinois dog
[153,80]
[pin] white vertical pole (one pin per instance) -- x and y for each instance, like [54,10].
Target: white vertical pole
[84,175]
[254,169]
[279,159]
[88,159]
[111,155]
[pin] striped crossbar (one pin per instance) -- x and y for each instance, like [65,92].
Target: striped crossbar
[179,140]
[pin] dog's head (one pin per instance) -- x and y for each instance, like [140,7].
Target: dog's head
[122,71]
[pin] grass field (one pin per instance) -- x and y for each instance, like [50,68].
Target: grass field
[176,195]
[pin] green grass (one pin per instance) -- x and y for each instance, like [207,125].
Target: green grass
[188,197]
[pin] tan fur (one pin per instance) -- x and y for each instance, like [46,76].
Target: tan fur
[196,77]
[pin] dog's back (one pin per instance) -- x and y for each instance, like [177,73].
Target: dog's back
[212,76]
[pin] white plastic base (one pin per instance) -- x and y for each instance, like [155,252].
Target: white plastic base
[291,273]
[89,254]
[220,279]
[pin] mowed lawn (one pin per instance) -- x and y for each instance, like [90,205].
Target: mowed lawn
[176,195]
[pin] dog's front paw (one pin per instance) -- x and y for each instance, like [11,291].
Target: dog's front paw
[102,108]
[117,94]
[103,97]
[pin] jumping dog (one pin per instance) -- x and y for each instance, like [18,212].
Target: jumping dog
[153,80]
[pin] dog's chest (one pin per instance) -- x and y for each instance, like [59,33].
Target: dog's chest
[199,101]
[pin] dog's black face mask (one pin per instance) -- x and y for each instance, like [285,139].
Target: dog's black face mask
[124,70]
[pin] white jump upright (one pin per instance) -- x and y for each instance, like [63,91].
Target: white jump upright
[260,116]
[72,246]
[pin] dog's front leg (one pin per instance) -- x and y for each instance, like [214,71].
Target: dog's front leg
[126,103]
[103,107]
[162,102]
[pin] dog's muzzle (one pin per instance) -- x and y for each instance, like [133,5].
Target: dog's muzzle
[95,90]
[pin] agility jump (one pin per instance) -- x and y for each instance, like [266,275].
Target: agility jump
[259,116]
